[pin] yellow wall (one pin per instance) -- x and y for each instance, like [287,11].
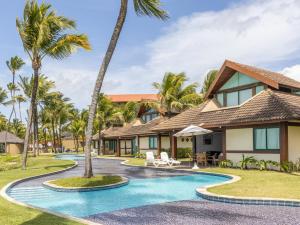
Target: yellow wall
[14,149]
[165,142]
[236,157]
[294,143]
[210,106]
[239,139]
[184,144]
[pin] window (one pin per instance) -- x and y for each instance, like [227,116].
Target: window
[112,145]
[2,148]
[244,95]
[207,139]
[259,89]
[238,79]
[232,98]
[266,138]
[220,98]
[152,142]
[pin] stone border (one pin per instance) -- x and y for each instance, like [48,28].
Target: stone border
[54,187]
[6,188]
[205,194]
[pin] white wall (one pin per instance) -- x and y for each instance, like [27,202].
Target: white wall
[239,139]
[236,157]
[293,143]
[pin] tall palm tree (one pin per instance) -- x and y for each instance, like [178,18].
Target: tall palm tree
[142,7]
[44,33]
[174,96]
[14,64]
[20,99]
[3,95]
[208,80]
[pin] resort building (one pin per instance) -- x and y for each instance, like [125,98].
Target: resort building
[14,144]
[124,98]
[251,111]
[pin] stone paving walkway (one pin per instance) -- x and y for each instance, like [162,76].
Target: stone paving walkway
[180,212]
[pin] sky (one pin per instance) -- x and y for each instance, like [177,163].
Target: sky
[199,36]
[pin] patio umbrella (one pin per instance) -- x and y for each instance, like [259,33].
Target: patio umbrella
[193,131]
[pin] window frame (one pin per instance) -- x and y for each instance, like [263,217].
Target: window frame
[154,139]
[267,149]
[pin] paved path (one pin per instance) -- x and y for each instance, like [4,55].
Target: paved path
[180,212]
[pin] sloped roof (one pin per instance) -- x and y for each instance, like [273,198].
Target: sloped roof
[10,138]
[270,78]
[132,97]
[131,130]
[269,105]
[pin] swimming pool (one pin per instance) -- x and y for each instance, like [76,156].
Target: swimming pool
[139,192]
[70,156]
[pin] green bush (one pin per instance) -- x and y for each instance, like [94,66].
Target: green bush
[184,152]
[226,163]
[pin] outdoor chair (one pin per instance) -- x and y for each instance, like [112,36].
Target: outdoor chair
[150,160]
[165,158]
[202,159]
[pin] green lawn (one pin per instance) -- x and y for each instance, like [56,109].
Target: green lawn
[12,214]
[87,182]
[255,183]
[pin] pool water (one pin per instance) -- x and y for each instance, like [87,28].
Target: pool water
[70,157]
[138,192]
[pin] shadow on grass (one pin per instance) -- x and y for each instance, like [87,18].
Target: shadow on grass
[45,218]
[62,166]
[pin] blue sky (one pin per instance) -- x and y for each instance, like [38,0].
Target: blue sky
[198,36]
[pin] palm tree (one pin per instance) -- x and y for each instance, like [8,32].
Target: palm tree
[14,64]
[20,99]
[44,33]
[3,95]
[174,96]
[149,8]
[209,79]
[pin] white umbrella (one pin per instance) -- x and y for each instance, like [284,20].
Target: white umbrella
[192,130]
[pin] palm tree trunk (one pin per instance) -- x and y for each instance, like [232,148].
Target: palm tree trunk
[29,122]
[53,136]
[36,130]
[20,111]
[108,55]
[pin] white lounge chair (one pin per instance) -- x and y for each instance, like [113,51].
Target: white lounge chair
[165,158]
[150,160]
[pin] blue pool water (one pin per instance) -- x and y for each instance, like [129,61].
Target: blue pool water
[138,192]
[70,156]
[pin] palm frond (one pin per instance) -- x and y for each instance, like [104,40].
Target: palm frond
[150,8]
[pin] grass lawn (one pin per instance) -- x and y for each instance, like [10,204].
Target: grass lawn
[87,182]
[255,183]
[12,214]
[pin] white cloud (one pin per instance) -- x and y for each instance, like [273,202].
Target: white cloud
[293,71]
[257,32]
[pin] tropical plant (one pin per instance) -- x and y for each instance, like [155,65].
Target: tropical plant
[142,7]
[3,95]
[44,33]
[174,96]
[226,163]
[208,80]
[246,161]
[14,64]
[287,166]
[20,99]
[17,127]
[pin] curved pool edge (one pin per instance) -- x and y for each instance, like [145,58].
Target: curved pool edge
[54,187]
[9,186]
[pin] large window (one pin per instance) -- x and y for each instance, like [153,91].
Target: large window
[152,142]
[266,138]
[234,98]
[112,145]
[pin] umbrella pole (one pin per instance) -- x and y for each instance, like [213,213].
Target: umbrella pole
[195,167]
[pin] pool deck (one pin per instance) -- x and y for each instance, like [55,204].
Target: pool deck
[180,212]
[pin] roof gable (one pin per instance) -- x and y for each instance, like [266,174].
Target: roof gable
[272,79]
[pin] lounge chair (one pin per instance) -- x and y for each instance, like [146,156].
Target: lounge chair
[150,160]
[165,158]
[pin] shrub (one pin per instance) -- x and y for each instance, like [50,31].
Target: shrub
[287,166]
[226,163]
[246,161]
[184,152]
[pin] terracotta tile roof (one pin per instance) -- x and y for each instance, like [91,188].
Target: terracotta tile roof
[267,106]
[272,79]
[133,97]
[277,77]
[10,138]
[131,130]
